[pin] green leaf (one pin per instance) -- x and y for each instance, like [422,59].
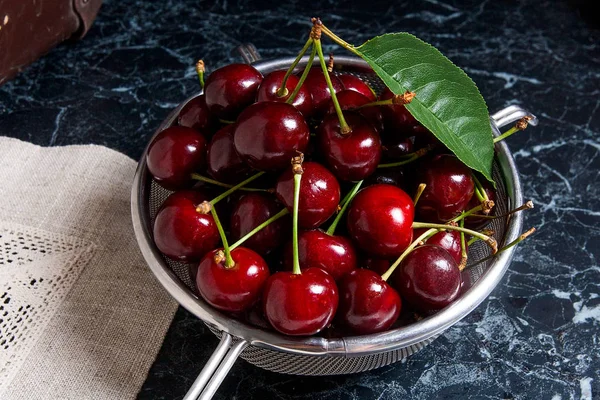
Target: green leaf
[447,101]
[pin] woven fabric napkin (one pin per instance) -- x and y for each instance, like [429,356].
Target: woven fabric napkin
[81,315]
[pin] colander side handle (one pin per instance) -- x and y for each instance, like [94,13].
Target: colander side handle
[248,52]
[216,369]
[511,114]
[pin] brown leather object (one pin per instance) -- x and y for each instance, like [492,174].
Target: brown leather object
[29,28]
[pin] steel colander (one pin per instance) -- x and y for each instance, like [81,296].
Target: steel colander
[318,355]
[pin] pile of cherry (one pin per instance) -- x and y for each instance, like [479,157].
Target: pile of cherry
[249,166]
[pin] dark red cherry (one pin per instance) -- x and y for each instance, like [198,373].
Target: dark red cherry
[300,304]
[319,194]
[230,89]
[268,134]
[449,188]
[377,265]
[174,154]
[317,86]
[233,289]
[224,163]
[380,220]
[181,232]
[352,156]
[333,254]
[353,82]
[391,176]
[447,240]
[351,100]
[267,91]
[368,304]
[195,114]
[394,148]
[428,278]
[397,119]
[251,210]
[477,222]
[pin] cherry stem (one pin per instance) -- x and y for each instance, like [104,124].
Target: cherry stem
[297,180]
[205,179]
[488,239]
[463,248]
[229,263]
[526,206]
[259,228]
[307,68]
[420,191]
[283,91]
[480,188]
[346,202]
[200,72]
[236,187]
[345,129]
[339,40]
[411,157]
[519,126]
[397,99]
[518,240]
[410,248]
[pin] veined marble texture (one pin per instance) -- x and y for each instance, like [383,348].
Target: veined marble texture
[536,336]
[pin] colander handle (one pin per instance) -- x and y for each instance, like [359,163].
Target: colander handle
[248,52]
[216,369]
[511,114]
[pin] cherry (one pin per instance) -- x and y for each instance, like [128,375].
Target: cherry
[317,86]
[230,89]
[174,154]
[300,304]
[224,163]
[428,278]
[448,240]
[449,188]
[391,176]
[236,288]
[332,253]
[380,220]
[251,210]
[268,134]
[267,91]
[350,100]
[181,232]
[397,118]
[368,304]
[319,194]
[377,265]
[352,156]
[195,114]
[353,82]
[396,147]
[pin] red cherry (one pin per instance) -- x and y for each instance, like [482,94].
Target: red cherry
[380,220]
[368,304]
[447,240]
[392,176]
[251,210]
[317,86]
[268,134]
[195,114]
[428,278]
[230,89]
[394,148]
[333,254]
[224,163]
[353,156]
[300,304]
[174,154]
[233,289]
[353,82]
[449,188]
[181,232]
[267,91]
[319,194]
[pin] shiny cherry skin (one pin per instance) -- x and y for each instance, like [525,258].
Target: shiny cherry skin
[317,86]
[368,304]
[182,233]
[449,188]
[195,114]
[233,289]
[351,100]
[380,220]
[268,134]
[428,278]
[300,304]
[224,163]
[394,148]
[267,91]
[174,154]
[319,194]
[352,156]
[447,240]
[391,176]
[251,210]
[353,82]
[332,253]
[230,89]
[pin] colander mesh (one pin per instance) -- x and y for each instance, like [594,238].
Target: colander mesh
[333,364]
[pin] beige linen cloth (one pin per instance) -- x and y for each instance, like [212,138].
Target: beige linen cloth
[81,315]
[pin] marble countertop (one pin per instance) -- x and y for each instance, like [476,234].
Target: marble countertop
[536,336]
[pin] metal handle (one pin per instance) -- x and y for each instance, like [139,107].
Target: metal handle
[249,53]
[216,369]
[511,114]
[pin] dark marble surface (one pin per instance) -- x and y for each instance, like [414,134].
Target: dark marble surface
[536,337]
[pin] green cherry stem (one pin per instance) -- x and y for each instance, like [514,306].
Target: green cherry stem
[200,72]
[410,248]
[480,188]
[297,168]
[339,40]
[463,248]
[420,191]
[518,240]
[229,263]
[346,202]
[259,228]
[409,158]
[283,91]
[307,68]
[205,179]
[236,187]
[488,239]
[519,126]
